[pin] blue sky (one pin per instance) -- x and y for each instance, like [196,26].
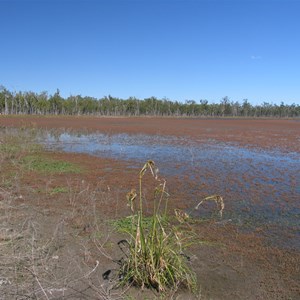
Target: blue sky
[178,49]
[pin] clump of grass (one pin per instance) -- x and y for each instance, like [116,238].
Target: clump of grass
[44,164]
[155,258]
[58,190]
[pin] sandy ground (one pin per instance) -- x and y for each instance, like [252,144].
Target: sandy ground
[229,264]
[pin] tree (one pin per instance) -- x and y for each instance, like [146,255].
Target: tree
[56,103]
[226,107]
[33,103]
[5,100]
[246,108]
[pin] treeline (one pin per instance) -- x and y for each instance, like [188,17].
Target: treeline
[44,104]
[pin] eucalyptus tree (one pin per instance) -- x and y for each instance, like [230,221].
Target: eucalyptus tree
[56,103]
[246,108]
[5,100]
[33,103]
[42,105]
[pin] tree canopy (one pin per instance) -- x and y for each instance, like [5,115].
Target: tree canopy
[44,104]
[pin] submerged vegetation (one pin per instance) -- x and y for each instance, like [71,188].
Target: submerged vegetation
[43,104]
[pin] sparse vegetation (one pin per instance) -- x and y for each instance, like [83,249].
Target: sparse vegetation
[15,144]
[45,251]
[20,149]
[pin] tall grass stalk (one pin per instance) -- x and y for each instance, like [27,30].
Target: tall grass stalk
[155,258]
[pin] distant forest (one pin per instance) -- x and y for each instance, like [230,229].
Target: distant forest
[43,104]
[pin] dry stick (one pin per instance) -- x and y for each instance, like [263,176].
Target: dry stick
[36,278]
[88,274]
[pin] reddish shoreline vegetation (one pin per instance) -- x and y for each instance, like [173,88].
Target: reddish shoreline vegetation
[63,215]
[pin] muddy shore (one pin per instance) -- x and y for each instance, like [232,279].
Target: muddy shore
[244,267]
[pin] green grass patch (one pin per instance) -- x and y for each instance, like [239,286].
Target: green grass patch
[13,150]
[9,150]
[125,225]
[58,190]
[20,149]
[41,163]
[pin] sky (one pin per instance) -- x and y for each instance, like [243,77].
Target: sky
[175,49]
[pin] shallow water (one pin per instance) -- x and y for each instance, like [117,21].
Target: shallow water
[260,188]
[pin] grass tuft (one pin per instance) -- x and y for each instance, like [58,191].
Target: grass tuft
[155,256]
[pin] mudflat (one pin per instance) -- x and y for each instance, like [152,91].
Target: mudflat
[230,262]
[265,133]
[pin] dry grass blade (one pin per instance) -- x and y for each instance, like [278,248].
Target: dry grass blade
[218,200]
[131,196]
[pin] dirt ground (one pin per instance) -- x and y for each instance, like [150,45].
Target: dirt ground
[64,240]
